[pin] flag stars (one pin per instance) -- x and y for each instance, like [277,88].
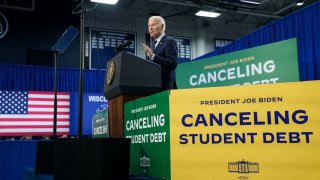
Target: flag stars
[12,102]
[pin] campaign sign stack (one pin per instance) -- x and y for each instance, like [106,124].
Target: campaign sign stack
[266,130]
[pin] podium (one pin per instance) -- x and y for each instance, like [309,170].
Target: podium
[127,78]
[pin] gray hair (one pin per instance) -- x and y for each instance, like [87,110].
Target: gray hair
[160,20]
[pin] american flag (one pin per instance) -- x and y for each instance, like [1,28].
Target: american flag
[31,113]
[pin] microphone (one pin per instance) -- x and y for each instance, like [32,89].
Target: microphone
[122,46]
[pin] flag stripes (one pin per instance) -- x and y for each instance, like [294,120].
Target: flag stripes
[31,113]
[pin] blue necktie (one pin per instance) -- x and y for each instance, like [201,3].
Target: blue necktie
[154,45]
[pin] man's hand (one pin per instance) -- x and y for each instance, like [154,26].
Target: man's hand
[148,50]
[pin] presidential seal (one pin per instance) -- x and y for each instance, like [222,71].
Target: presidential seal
[111,69]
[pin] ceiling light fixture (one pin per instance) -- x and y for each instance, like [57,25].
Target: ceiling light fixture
[250,2]
[300,2]
[106,1]
[207,14]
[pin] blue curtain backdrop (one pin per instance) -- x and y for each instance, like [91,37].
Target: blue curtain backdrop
[23,78]
[303,25]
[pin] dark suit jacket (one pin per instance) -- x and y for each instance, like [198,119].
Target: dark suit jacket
[166,55]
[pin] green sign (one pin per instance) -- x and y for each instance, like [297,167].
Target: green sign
[146,123]
[100,124]
[272,63]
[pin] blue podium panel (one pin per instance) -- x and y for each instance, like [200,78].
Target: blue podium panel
[30,175]
[15,156]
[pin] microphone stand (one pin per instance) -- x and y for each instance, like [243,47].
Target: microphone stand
[84,6]
[55,86]
[121,47]
[80,107]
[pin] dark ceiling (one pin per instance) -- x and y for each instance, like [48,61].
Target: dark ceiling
[231,10]
[237,11]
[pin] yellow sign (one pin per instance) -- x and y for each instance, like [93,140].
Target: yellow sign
[268,131]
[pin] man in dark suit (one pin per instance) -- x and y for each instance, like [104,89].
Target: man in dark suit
[163,51]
